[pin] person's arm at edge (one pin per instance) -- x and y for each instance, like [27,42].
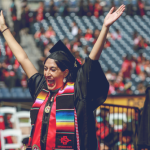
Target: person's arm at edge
[17,50]
[109,20]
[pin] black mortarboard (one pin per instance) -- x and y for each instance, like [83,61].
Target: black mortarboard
[61,53]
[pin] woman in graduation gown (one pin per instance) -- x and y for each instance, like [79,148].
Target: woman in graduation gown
[65,97]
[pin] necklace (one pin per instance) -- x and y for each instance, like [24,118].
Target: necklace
[47,108]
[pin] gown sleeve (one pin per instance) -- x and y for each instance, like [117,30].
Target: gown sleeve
[35,84]
[144,130]
[91,84]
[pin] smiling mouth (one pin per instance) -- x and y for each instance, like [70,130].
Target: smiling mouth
[50,82]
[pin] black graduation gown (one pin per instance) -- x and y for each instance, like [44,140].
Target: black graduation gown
[91,89]
[144,131]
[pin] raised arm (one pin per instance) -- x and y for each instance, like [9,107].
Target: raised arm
[108,21]
[17,50]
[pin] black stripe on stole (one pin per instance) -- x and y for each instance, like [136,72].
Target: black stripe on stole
[65,139]
[65,102]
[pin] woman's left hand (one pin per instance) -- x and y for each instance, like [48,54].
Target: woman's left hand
[112,17]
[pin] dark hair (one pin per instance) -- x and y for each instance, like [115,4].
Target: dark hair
[71,77]
[25,140]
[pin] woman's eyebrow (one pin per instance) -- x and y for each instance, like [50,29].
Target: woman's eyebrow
[53,67]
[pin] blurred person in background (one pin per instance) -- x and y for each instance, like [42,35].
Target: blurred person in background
[46,53]
[40,12]
[8,73]
[66,9]
[83,9]
[136,40]
[52,8]
[113,4]
[147,67]
[88,35]
[95,35]
[107,44]
[108,74]
[138,68]
[141,88]
[116,35]
[16,29]
[24,81]
[67,43]
[129,9]
[141,45]
[119,85]
[111,87]
[25,20]
[13,9]
[142,75]
[24,143]
[50,32]
[126,141]
[86,51]
[87,78]
[134,62]
[75,45]
[80,34]
[126,68]
[140,8]
[90,8]
[8,51]
[24,3]
[102,127]
[38,34]
[98,9]
[74,29]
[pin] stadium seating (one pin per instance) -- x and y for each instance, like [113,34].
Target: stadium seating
[111,57]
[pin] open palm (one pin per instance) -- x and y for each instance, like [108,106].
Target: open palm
[112,17]
[2,20]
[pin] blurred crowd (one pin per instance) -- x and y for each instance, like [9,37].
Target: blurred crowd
[10,71]
[85,8]
[137,67]
[120,82]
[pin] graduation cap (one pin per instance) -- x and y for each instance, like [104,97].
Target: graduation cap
[61,53]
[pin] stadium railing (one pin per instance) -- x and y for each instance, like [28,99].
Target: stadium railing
[117,127]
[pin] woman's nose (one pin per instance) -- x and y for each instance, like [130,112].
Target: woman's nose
[48,73]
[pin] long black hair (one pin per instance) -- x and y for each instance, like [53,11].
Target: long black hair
[64,63]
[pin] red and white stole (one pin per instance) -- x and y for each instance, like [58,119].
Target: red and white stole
[62,123]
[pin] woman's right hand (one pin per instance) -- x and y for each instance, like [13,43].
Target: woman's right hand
[2,22]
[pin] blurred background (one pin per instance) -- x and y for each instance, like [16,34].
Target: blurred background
[38,24]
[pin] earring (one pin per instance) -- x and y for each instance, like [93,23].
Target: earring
[64,80]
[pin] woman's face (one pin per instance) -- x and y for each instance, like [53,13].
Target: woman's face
[53,75]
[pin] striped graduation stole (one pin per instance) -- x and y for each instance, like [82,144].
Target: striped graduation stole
[34,112]
[37,104]
[65,120]
[66,117]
